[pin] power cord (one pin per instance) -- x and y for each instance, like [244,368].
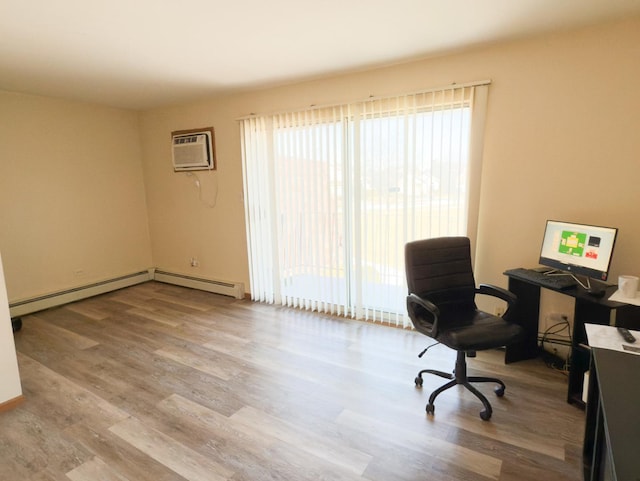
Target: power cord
[554,330]
[198,184]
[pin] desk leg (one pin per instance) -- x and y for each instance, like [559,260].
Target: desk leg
[591,448]
[526,314]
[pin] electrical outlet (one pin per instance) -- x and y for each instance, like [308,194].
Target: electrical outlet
[194,262]
[557,317]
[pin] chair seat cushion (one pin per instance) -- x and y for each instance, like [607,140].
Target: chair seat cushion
[476,330]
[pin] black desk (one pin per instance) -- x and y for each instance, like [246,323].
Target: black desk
[612,433]
[588,309]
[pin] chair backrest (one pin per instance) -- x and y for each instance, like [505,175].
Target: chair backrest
[440,270]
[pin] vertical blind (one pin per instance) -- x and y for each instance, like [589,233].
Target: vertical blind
[333,193]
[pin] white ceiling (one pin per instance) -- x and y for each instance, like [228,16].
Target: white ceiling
[141,54]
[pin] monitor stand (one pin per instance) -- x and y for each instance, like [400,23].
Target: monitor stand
[595,290]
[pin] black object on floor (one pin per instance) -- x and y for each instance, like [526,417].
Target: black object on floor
[16,324]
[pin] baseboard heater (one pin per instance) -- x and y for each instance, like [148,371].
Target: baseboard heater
[40,303]
[226,288]
[28,306]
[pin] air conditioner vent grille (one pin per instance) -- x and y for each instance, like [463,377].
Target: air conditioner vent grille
[185,139]
[193,150]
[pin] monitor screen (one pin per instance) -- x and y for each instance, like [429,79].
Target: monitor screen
[578,248]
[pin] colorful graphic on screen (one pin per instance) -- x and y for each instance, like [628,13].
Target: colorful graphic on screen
[572,243]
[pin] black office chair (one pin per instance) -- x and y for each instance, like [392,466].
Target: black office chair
[441,305]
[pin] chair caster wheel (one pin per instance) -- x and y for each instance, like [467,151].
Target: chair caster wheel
[430,409]
[499,391]
[418,381]
[485,414]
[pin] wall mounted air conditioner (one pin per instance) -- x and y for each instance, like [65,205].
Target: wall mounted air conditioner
[193,149]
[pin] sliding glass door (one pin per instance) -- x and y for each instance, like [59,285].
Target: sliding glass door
[333,194]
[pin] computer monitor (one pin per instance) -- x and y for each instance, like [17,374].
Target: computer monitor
[578,249]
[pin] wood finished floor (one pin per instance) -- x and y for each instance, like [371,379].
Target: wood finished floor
[162,383]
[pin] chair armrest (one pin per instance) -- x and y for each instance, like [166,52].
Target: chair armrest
[490,290]
[421,323]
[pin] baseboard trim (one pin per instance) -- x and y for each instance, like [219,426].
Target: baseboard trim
[11,403]
[40,303]
[35,304]
[226,288]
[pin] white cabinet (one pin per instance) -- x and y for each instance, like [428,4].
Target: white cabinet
[10,388]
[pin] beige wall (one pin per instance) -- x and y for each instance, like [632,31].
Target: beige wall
[72,205]
[205,223]
[562,142]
